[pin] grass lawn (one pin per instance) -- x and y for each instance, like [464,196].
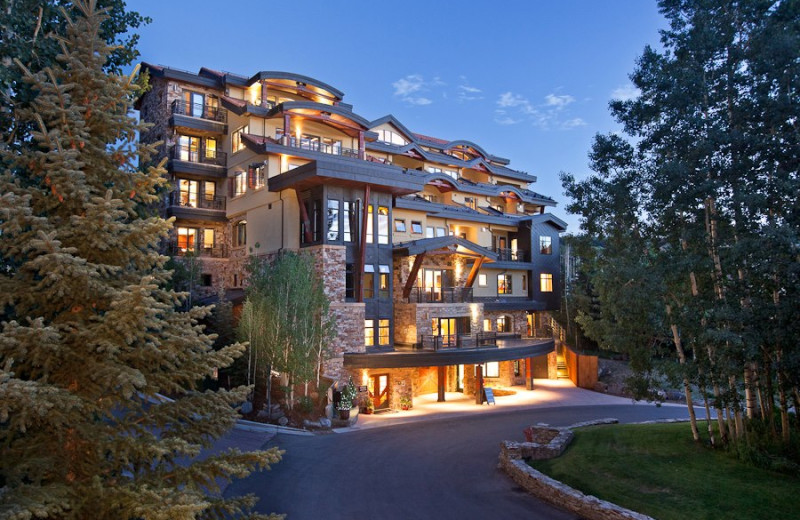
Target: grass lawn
[656,469]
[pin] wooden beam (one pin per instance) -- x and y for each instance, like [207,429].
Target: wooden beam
[473,273]
[412,276]
[361,144]
[306,221]
[362,249]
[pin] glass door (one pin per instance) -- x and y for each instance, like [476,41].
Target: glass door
[379,391]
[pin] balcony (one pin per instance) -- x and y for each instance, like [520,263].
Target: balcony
[215,251]
[448,341]
[200,155]
[211,113]
[440,295]
[313,145]
[186,200]
[510,255]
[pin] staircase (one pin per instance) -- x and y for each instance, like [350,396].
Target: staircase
[561,368]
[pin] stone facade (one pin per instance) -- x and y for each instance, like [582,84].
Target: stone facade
[329,262]
[519,321]
[350,338]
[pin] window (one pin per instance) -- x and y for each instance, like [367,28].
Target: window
[209,191]
[309,142]
[260,177]
[331,146]
[441,232]
[517,368]
[187,239]
[195,102]
[349,282]
[546,245]
[240,233]
[369,281]
[383,225]
[188,148]
[482,280]
[239,183]
[236,138]
[390,137]
[205,280]
[399,225]
[188,192]
[546,282]
[315,214]
[487,325]
[492,369]
[211,148]
[416,227]
[383,281]
[470,202]
[524,282]
[504,324]
[504,284]
[333,220]
[383,332]
[349,220]
[429,233]
[208,239]
[370,227]
[369,332]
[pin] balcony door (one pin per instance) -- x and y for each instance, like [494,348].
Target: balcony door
[196,103]
[189,148]
[189,190]
[447,330]
[433,280]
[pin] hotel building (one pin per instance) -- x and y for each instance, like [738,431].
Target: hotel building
[439,260]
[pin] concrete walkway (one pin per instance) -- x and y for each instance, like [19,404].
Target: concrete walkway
[547,393]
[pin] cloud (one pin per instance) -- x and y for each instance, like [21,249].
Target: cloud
[559,102]
[410,88]
[573,123]
[468,93]
[625,92]
[471,90]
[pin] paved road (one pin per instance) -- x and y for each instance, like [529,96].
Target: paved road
[438,469]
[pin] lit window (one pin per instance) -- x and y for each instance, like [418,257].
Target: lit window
[239,184]
[546,245]
[236,138]
[187,239]
[470,202]
[399,225]
[240,233]
[208,239]
[369,332]
[492,369]
[416,227]
[188,192]
[503,324]
[369,281]
[482,280]
[383,281]
[211,148]
[487,325]
[383,225]
[209,191]
[260,177]
[504,284]
[383,332]
[546,282]
[370,227]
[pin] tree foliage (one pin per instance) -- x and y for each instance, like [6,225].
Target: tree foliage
[91,339]
[696,208]
[286,320]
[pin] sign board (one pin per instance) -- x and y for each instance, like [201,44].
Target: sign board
[362,388]
[489,394]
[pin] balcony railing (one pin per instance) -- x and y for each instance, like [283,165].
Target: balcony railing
[187,200]
[440,295]
[198,110]
[318,146]
[216,251]
[200,155]
[510,255]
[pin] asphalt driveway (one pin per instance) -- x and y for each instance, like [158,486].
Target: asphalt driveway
[439,469]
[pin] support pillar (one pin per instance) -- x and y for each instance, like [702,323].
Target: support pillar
[478,384]
[286,129]
[442,381]
[529,373]
[361,145]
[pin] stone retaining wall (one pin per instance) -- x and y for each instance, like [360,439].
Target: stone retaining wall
[553,442]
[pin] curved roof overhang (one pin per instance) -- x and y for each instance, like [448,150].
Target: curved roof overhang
[296,81]
[444,245]
[442,182]
[448,357]
[341,118]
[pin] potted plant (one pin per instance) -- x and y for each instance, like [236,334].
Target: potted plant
[346,402]
[369,405]
[405,403]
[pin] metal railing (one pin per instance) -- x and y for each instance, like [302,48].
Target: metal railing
[199,110]
[200,250]
[510,255]
[318,146]
[440,295]
[184,200]
[198,155]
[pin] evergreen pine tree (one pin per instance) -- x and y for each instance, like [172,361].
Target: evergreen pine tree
[91,337]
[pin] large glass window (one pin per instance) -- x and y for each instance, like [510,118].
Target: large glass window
[240,233]
[349,221]
[545,245]
[188,192]
[390,137]
[504,284]
[383,332]
[383,225]
[504,324]
[195,103]
[370,228]
[492,369]
[236,138]
[383,281]
[369,332]
[187,239]
[369,281]
[546,282]
[189,148]
[208,239]
[211,148]
[333,220]
[487,325]
[239,183]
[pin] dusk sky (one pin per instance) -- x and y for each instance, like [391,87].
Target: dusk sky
[526,80]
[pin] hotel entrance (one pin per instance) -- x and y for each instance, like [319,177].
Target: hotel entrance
[378,387]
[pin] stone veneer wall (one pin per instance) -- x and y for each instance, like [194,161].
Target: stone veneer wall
[329,262]
[457,265]
[519,320]
[350,338]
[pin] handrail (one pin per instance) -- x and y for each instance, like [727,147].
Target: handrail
[199,110]
[198,155]
[318,146]
[440,295]
[216,251]
[217,202]
[510,255]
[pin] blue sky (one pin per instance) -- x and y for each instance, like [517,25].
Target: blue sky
[526,80]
